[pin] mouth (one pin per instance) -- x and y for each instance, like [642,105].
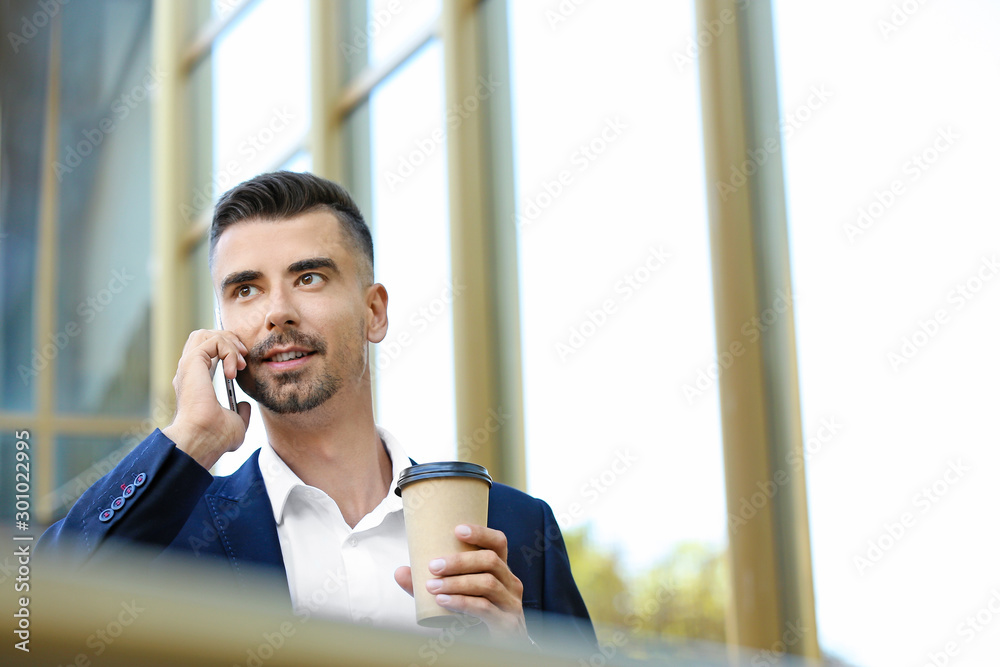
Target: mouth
[281,359]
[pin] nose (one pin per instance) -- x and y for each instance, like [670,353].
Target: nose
[281,311]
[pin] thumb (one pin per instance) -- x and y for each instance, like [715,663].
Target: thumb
[404,577]
[244,410]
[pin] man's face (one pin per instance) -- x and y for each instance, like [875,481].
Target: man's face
[290,291]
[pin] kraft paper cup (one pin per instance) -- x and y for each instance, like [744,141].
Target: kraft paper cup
[436,498]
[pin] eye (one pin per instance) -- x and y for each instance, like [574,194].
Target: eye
[311,279]
[244,291]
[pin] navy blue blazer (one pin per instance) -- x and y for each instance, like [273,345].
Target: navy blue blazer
[159,496]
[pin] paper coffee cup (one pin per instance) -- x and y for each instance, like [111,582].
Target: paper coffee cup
[436,498]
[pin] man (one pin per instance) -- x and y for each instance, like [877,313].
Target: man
[291,261]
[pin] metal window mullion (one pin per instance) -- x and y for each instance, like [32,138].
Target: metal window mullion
[498,142]
[201,46]
[761,424]
[361,85]
[46,279]
[327,153]
[482,383]
[69,424]
[169,320]
[201,224]
[784,418]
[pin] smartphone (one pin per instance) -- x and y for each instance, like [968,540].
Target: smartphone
[230,390]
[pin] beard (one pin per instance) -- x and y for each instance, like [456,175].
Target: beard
[291,391]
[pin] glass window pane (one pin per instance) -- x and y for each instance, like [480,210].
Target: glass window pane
[301,161]
[891,163]
[200,180]
[415,382]
[81,461]
[103,169]
[261,80]
[389,25]
[220,9]
[617,310]
[199,14]
[22,100]
[203,302]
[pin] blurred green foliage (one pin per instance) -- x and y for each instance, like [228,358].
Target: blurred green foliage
[682,596]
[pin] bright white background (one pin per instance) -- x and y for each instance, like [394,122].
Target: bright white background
[616,388]
[892,91]
[622,391]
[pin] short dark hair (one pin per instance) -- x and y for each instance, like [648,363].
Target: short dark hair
[279,195]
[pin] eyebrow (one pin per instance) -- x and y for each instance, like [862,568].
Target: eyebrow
[295,267]
[239,277]
[313,263]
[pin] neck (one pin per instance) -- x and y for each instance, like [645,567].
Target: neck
[336,448]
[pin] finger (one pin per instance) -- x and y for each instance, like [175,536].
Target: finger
[229,363]
[215,347]
[483,537]
[472,605]
[477,562]
[467,562]
[209,347]
[194,339]
[231,359]
[200,336]
[498,621]
[244,410]
[404,577]
[479,585]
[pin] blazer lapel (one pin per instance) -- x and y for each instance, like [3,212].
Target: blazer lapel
[241,511]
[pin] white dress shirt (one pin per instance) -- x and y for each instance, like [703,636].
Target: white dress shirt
[334,570]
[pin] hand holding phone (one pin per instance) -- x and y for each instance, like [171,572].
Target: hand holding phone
[230,390]
[202,428]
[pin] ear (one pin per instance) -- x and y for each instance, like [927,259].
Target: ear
[377,300]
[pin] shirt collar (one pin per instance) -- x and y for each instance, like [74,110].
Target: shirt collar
[280,481]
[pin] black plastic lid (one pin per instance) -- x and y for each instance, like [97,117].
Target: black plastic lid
[442,469]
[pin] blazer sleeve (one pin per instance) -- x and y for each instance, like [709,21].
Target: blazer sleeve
[561,599]
[145,499]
